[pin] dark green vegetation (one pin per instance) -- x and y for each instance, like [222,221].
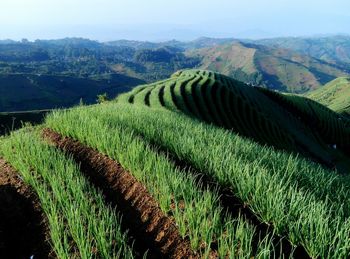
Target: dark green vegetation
[335,95]
[242,171]
[271,67]
[58,73]
[90,59]
[14,120]
[21,92]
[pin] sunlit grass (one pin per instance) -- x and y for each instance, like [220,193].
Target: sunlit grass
[301,200]
[197,212]
[81,225]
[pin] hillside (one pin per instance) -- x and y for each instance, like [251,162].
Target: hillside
[335,95]
[20,92]
[195,166]
[274,68]
[332,49]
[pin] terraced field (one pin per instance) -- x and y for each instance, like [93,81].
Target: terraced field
[195,166]
[285,121]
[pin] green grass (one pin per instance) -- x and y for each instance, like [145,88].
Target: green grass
[81,225]
[299,198]
[200,218]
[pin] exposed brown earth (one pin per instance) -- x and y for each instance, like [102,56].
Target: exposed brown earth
[234,205]
[142,215]
[23,227]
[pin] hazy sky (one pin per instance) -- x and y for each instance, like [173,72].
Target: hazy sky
[171,19]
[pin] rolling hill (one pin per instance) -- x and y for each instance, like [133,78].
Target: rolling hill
[285,121]
[335,95]
[274,68]
[198,165]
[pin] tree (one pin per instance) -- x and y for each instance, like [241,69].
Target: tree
[101,98]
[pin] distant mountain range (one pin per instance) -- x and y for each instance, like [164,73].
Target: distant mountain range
[62,71]
[274,68]
[332,49]
[290,64]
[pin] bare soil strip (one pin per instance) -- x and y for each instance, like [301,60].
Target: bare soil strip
[233,205]
[141,212]
[23,227]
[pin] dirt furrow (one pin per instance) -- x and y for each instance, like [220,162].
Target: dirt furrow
[233,205]
[23,227]
[142,215]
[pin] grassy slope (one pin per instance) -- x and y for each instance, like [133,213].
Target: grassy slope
[275,68]
[81,225]
[196,210]
[335,95]
[250,112]
[302,120]
[300,199]
[20,92]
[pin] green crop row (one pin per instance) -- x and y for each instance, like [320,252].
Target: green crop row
[81,225]
[196,210]
[301,200]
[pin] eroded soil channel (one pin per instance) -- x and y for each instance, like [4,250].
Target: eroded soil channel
[147,224]
[233,205]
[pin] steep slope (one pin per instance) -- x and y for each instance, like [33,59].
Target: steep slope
[290,123]
[274,68]
[335,95]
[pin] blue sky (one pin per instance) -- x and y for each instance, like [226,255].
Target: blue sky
[158,20]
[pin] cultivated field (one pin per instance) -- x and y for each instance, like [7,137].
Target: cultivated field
[195,166]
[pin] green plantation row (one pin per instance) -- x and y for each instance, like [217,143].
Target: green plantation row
[166,135]
[285,121]
[300,199]
[74,209]
[197,212]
